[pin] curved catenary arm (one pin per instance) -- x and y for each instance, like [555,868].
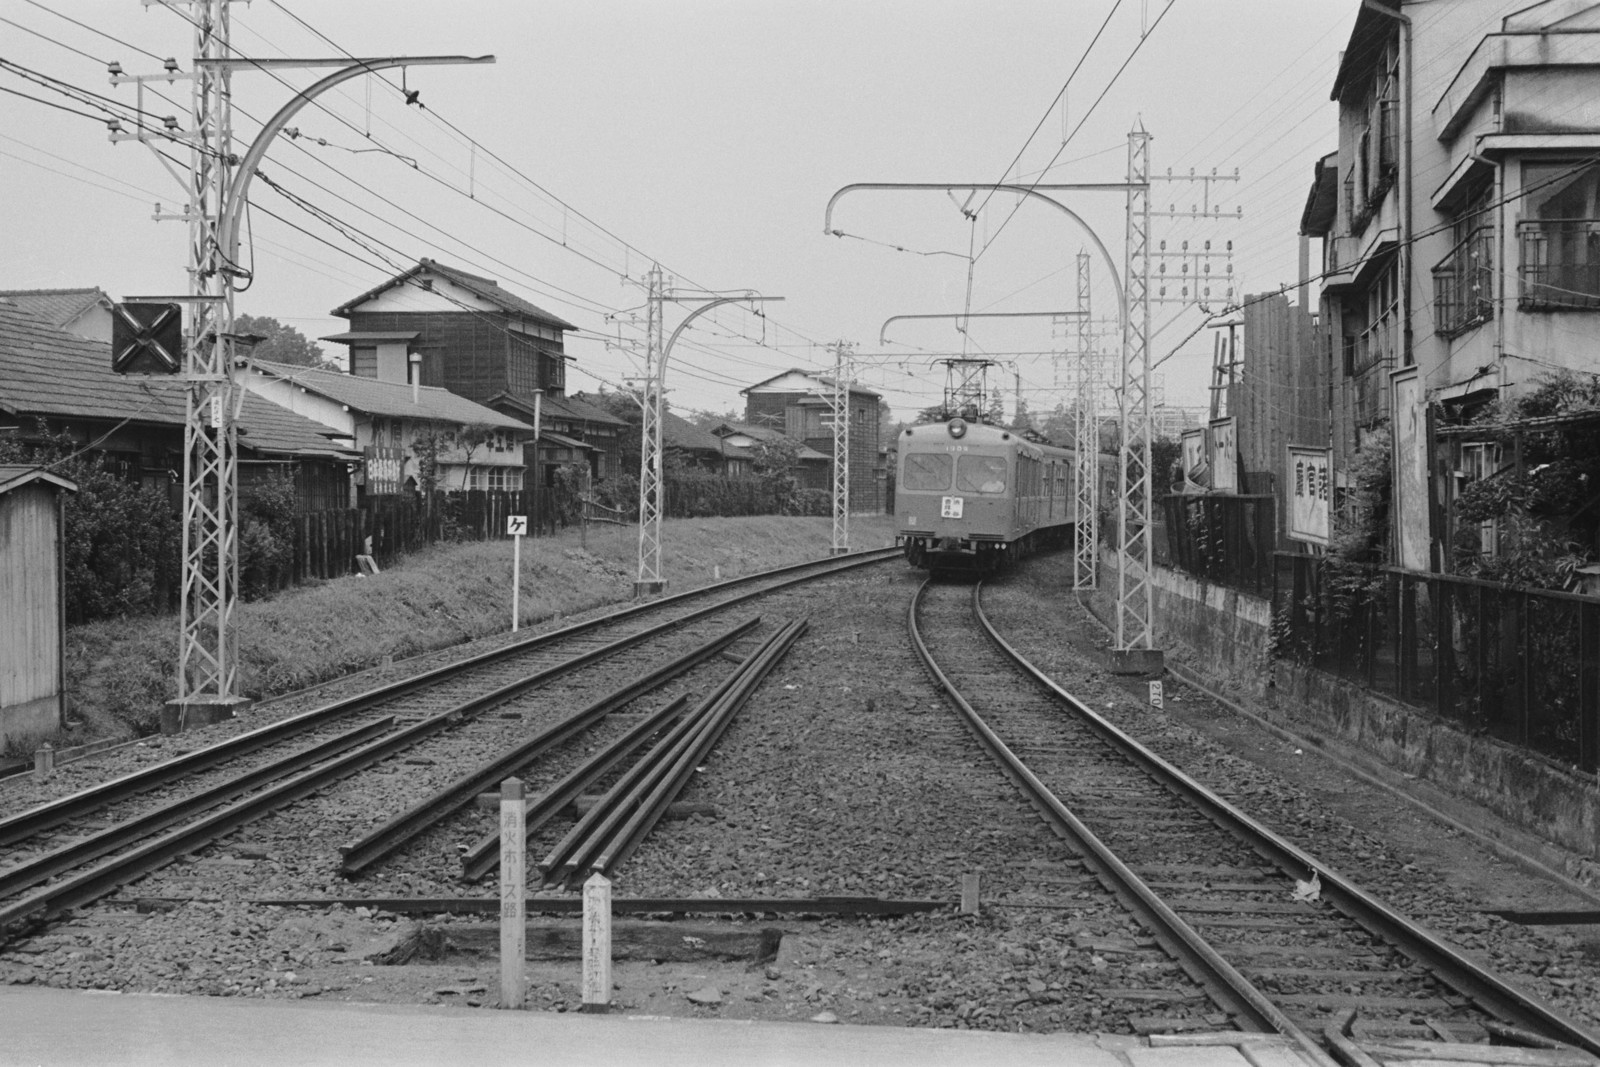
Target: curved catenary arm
[233,206]
[1024,190]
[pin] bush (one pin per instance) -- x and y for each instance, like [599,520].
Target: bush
[122,538]
[266,536]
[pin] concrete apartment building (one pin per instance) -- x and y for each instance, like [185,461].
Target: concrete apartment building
[1460,229]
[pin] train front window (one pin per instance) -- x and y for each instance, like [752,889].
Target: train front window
[927,472]
[981,474]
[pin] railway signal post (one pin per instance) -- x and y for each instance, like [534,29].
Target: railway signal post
[516,526]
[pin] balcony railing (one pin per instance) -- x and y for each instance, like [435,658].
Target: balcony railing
[1463,284]
[1560,265]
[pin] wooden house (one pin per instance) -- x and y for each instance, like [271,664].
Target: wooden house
[739,443]
[136,423]
[403,431]
[33,619]
[83,313]
[464,333]
[797,403]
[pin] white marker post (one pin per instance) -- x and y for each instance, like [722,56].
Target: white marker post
[1157,698]
[597,943]
[516,526]
[513,895]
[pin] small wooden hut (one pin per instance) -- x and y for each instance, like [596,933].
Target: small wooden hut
[32,604]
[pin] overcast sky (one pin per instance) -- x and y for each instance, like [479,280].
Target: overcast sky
[708,137]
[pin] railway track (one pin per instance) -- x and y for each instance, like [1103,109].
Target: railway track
[1276,939]
[79,847]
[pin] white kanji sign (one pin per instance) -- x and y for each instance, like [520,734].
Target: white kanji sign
[950,507]
[516,525]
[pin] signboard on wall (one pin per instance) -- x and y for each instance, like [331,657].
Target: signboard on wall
[384,470]
[1225,455]
[1310,482]
[1196,464]
[1410,469]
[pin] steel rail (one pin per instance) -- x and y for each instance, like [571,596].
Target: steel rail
[566,905]
[1452,967]
[567,854]
[1227,987]
[652,807]
[120,870]
[27,823]
[77,853]
[484,855]
[440,805]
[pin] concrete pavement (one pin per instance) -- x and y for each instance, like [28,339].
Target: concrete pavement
[57,1028]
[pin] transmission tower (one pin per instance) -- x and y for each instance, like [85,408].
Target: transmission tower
[1135,608]
[649,578]
[1086,437]
[839,405]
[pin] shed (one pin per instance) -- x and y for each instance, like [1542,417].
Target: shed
[32,603]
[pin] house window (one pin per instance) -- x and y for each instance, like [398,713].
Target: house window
[1559,236]
[364,362]
[522,367]
[1463,281]
[1479,460]
[498,478]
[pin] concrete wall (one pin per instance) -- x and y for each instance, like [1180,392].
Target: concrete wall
[1223,636]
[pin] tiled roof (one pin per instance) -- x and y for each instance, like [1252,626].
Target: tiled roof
[821,379]
[46,371]
[678,432]
[486,288]
[391,399]
[55,306]
[578,408]
[761,433]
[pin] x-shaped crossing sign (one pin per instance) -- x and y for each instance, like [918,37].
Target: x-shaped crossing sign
[147,339]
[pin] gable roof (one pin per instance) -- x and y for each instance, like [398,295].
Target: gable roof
[820,379]
[479,286]
[390,399]
[679,432]
[17,475]
[49,372]
[763,434]
[55,306]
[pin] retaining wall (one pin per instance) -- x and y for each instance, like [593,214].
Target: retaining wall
[1223,636]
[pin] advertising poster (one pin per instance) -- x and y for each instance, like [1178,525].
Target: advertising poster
[1310,481]
[384,466]
[1225,455]
[1196,465]
[1410,470]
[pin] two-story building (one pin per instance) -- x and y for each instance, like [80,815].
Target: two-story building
[1460,229]
[413,437]
[798,404]
[465,333]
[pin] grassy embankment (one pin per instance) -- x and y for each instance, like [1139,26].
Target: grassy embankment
[119,672]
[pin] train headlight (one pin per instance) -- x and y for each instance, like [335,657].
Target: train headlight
[958,427]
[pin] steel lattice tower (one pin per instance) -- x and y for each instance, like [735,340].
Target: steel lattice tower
[1086,551]
[1135,614]
[207,649]
[840,403]
[649,579]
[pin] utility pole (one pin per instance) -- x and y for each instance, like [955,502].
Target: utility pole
[649,578]
[840,406]
[217,186]
[1135,652]
[1086,440]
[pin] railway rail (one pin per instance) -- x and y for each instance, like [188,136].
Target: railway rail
[143,820]
[1277,939]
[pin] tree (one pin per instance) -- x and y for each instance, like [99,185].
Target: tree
[707,419]
[283,344]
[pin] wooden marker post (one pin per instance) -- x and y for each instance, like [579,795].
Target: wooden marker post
[969,893]
[597,943]
[513,895]
[516,526]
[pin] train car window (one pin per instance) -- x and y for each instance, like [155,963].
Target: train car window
[981,474]
[927,472]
